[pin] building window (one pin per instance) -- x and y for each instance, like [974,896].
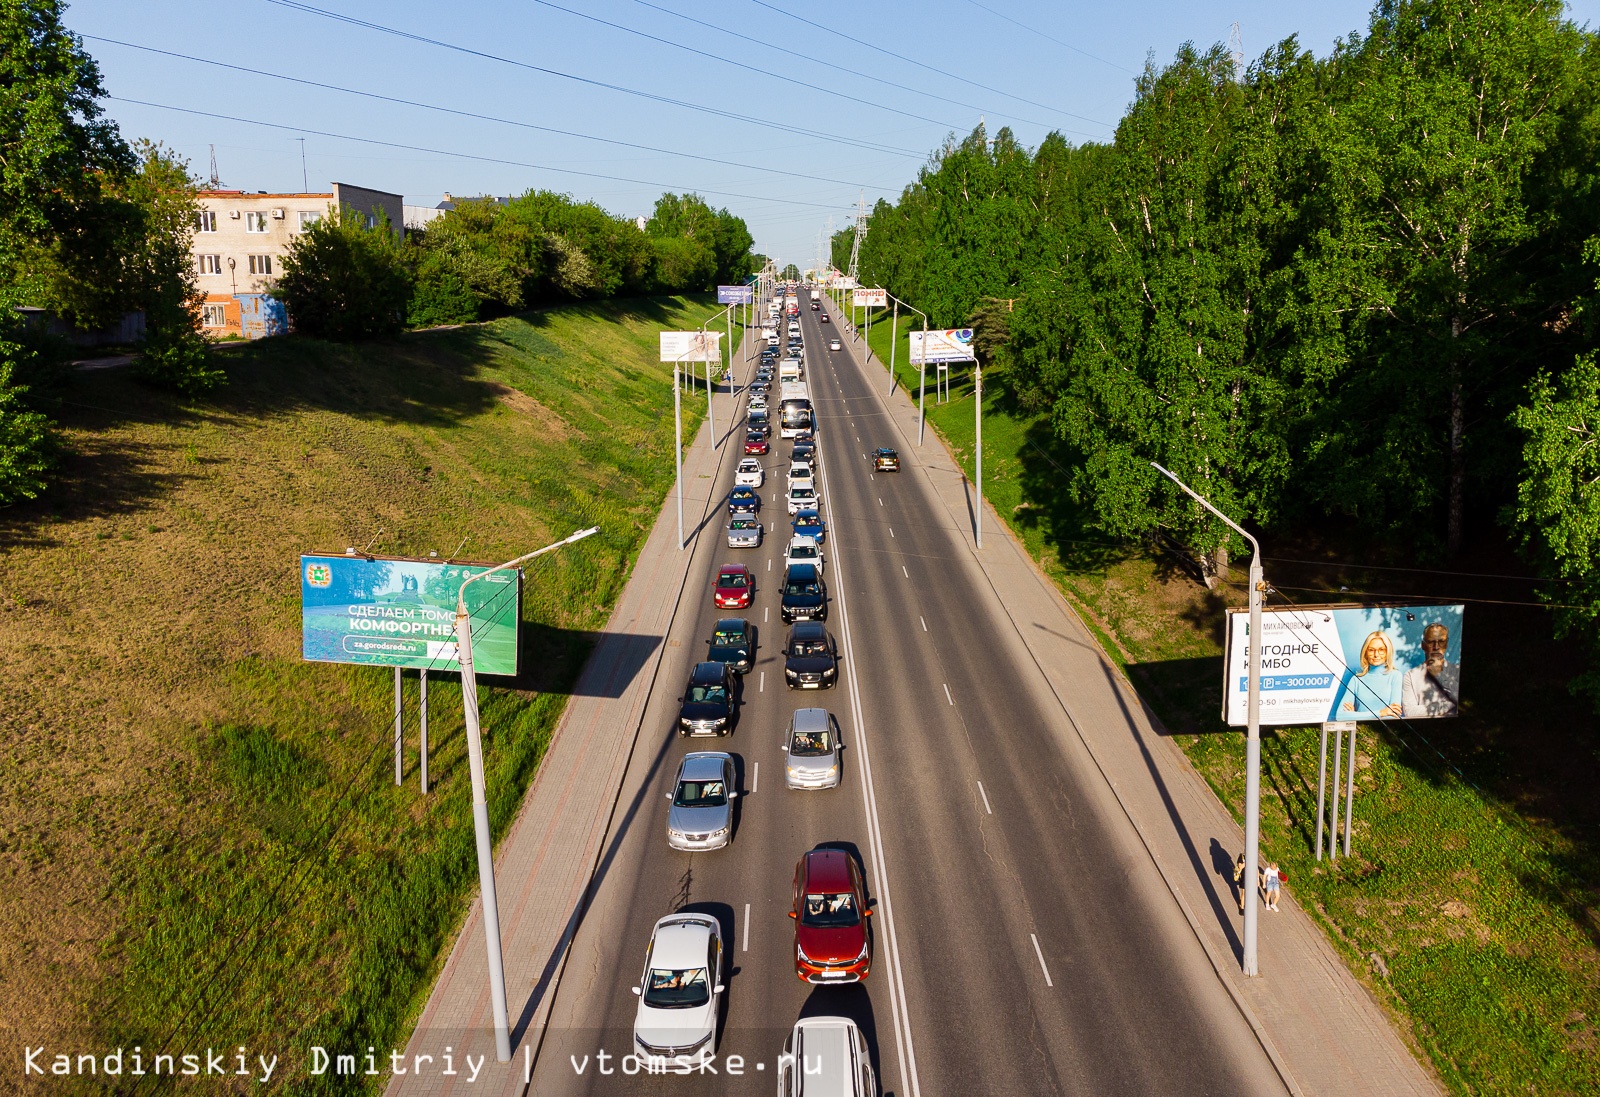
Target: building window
[261,264]
[214,316]
[308,218]
[205,221]
[209,264]
[255,221]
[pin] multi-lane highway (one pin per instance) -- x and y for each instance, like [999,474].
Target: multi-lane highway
[1023,941]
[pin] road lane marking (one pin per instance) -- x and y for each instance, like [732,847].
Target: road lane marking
[763,688]
[880,500]
[904,572]
[1037,951]
[747,927]
[755,778]
[891,531]
[947,696]
[985,796]
[764,612]
[924,623]
[769,565]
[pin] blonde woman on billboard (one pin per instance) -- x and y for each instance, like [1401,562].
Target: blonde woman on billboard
[1371,692]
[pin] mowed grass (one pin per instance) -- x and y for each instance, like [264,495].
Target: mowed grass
[1469,905]
[202,843]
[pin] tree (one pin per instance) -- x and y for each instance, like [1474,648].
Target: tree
[343,280]
[790,273]
[26,452]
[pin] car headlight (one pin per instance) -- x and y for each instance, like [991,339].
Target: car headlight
[866,947]
[801,953]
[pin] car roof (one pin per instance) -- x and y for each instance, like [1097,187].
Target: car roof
[750,461]
[811,719]
[807,513]
[704,765]
[733,569]
[828,1047]
[809,630]
[731,624]
[800,573]
[708,673]
[802,539]
[828,870]
[681,941]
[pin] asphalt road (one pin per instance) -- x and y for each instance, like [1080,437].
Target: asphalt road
[1023,941]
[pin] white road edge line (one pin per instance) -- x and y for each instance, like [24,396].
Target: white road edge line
[747,927]
[1039,952]
[755,777]
[985,796]
[897,987]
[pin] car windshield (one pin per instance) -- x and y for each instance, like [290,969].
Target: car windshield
[808,523]
[811,744]
[735,579]
[803,552]
[708,695]
[810,647]
[665,988]
[800,586]
[830,909]
[701,794]
[743,523]
[724,637]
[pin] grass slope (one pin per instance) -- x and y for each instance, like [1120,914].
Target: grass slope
[202,841]
[1470,903]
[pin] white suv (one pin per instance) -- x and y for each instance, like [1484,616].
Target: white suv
[800,473]
[803,550]
[837,1061]
[749,474]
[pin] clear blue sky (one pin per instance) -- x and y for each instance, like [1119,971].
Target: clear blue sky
[1035,66]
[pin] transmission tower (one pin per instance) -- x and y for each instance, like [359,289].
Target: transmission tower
[861,231]
[1236,51]
[216,180]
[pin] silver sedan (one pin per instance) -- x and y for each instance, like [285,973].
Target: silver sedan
[744,532]
[811,750]
[701,816]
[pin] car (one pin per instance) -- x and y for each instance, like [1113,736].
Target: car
[708,701]
[680,991]
[701,816]
[806,436]
[733,642]
[885,459]
[830,912]
[809,523]
[826,1057]
[744,531]
[758,420]
[810,657]
[760,388]
[803,550]
[772,340]
[758,402]
[816,306]
[755,442]
[811,750]
[805,595]
[749,474]
[799,473]
[802,497]
[744,500]
[823,318]
[834,344]
[804,451]
[734,587]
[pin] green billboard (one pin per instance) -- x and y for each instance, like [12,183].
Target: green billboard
[394,612]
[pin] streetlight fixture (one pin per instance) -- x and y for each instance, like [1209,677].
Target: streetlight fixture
[1252,741]
[480,804]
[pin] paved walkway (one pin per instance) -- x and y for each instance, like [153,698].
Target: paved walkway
[543,866]
[1323,1030]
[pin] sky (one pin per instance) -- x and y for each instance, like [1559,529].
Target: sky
[786,114]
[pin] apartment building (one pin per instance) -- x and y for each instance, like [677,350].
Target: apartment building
[241,237]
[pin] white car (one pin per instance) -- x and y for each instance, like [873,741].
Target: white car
[826,1056]
[800,473]
[772,340]
[803,497]
[804,550]
[749,474]
[680,989]
[834,344]
[758,402]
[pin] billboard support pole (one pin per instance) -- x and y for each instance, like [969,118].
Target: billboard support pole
[399,744]
[480,803]
[422,711]
[1252,748]
[677,445]
[1333,824]
[894,332]
[977,406]
[1350,792]
[1322,784]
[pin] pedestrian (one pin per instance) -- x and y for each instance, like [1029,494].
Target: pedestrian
[1269,884]
[1238,879]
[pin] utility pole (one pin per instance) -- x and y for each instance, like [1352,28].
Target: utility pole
[305,180]
[1252,748]
[977,401]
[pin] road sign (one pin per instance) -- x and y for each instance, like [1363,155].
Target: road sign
[950,345]
[735,295]
[871,298]
[691,346]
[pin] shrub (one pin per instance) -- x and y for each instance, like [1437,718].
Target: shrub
[342,280]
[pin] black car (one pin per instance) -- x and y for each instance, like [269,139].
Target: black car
[733,643]
[805,596]
[744,500]
[810,657]
[758,420]
[707,704]
[805,453]
[885,459]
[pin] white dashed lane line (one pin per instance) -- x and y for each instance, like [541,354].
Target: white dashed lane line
[747,927]
[947,696]
[904,572]
[924,623]
[985,796]
[1037,951]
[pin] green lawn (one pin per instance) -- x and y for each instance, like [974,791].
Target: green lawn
[203,839]
[1470,904]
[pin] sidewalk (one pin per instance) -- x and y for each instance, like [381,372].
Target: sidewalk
[1322,1029]
[544,864]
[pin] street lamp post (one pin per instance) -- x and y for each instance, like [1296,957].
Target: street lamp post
[1252,747]
[677,444]
[480,804]
[977,411]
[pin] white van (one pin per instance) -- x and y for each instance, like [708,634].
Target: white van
[826,1057]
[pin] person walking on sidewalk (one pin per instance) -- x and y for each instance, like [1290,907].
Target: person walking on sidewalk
[1238,879]
[1269,884]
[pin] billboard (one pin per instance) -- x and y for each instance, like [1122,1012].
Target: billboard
[871,298]
[950,345]
[842,281]
[393,612]
[1344,662]
[735,295]
[691,346]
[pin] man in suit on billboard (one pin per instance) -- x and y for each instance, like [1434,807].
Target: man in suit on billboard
[1434,688]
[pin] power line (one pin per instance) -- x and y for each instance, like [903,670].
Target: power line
[924,65]
[739,64]
[466,155]
[824,63]
[471,114]
[1418,571]
[300,6]
[1042,34]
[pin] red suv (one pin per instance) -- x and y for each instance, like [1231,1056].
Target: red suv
[831,942]
[735,584]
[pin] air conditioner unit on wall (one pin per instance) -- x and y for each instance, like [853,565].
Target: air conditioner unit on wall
[234,214]
[277,214]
